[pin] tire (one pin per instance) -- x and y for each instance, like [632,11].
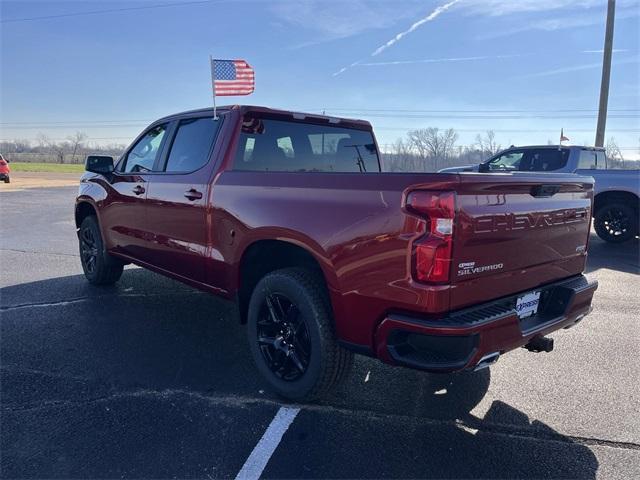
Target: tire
[99,267]
[616,222]
[7,180]
[298,355]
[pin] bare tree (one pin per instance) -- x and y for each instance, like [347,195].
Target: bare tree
[487,144]
[614,153]
[76,141]
[43,141]
[402,157]
[402,149]
[448,138]
[432,143]
[58,150]
[420,141]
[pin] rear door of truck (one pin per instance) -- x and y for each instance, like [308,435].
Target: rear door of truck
[177,197]
[517,231]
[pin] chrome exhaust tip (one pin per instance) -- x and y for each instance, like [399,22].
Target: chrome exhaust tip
[487,361]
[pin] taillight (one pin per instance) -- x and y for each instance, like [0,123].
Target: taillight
[432,252]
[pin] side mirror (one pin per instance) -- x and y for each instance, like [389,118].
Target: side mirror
[101,164]
[484,168]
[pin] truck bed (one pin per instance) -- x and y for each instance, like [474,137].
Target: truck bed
[534,226]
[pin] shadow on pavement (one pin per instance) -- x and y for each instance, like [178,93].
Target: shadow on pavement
[64,341]
[623,257]
[502,445]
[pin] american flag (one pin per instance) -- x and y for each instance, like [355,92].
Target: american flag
[232,77]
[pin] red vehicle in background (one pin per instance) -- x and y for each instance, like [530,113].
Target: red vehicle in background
[292,216]
[4,170]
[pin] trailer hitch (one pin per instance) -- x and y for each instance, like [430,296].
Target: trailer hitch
[540,344]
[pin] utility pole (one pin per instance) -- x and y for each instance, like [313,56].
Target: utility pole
[606,74]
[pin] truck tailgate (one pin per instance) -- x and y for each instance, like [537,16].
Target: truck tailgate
[515,232]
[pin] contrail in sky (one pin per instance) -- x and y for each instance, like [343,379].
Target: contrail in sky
[437,60]
[432,16]
[398,37]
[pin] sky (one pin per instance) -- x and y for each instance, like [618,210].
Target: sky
[523,68]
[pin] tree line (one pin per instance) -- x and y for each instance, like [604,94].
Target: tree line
[420,150]
[430,149]
[73,149]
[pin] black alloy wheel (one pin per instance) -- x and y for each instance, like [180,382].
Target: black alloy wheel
[616,222]
[88,250]
[99,267]
[283,337]
[291,333]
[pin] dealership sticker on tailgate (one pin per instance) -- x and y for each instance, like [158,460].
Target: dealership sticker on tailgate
[527,304]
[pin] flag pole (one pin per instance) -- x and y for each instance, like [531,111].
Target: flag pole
[213,86]
[561,139]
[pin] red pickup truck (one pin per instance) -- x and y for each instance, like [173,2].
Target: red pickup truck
[291,215]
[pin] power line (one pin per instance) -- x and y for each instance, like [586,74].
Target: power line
[73,125]
[466,111]
[127,121]
[107,124]
[76,122]
[382,127]
[109,10]
[489,114]
[516,130]
[499,117]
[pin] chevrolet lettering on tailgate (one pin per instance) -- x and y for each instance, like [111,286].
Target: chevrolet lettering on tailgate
[523,221]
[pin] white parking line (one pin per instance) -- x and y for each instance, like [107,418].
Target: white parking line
[253,467]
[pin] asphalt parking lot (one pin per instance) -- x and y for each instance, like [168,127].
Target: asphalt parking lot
[150,379]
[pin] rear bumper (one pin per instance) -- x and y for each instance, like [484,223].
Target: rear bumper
[4,176]
[463,339]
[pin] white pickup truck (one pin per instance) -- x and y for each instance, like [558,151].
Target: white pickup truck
[616,208]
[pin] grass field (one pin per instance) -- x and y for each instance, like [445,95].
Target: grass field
[46,167]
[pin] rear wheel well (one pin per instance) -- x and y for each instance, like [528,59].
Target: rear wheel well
[605,198]
[267,256]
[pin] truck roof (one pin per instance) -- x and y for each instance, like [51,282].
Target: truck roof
[244,109]
[567,147]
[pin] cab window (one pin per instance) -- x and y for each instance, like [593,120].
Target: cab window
[192,144]
[544,159]
[592,160]
[507,162]
[530,160]
[144,153]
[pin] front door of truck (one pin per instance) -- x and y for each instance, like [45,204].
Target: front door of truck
[177,199]
[124,210]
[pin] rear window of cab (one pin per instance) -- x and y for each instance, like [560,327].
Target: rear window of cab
[285,146]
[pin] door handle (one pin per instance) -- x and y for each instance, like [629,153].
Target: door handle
[193,194]
[138,190]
